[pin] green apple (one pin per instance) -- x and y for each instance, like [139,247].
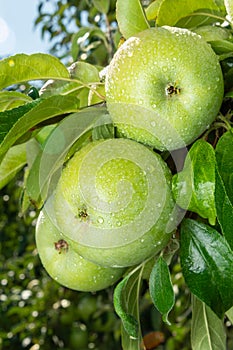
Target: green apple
[164,87]
[114,201]
[65,265]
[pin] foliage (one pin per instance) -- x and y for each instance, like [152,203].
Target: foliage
[190,282]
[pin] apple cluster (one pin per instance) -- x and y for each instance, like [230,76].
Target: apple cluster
[113,206]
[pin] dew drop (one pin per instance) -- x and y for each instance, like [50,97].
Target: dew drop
[100,220]
[152,124]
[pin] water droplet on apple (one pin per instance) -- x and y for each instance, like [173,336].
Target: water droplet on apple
[100,220]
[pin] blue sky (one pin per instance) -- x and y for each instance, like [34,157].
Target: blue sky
[17,34]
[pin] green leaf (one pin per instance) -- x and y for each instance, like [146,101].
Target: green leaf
[221,46]
[161,289]
[130,17]
[170,12]
[14,123]
[224,209]
[224,159]
[82,74]
[194,186]
[13,162]
[9,117]
[153,9]
[202,17]
[126,298]
[103,132]
[229,314]
[229,8]
[63,141]
[21,67]
[12,99]
[207,330]
[102,5]
[207,263]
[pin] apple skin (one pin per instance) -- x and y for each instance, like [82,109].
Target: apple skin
[65,265]
[164,87]
[114,201]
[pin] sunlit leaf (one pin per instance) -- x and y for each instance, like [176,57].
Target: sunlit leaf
[170,12]
[153,9]
[38,66]
[130,17]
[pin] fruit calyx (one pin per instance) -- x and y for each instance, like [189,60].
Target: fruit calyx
[61,246]
[172,89]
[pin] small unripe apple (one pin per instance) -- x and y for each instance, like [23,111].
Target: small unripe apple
[164,87]
[114,202]
[65,265]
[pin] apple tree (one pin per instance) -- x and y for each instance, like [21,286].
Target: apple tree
[129,163]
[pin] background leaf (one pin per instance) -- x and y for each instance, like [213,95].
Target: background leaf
[135,21]
[21,67]
[207,263]
[207,330]
[161,289]
[102,5]
[194,186]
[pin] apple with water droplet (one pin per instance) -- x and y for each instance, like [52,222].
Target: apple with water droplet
[64,264]
[114,202]
[164,87]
